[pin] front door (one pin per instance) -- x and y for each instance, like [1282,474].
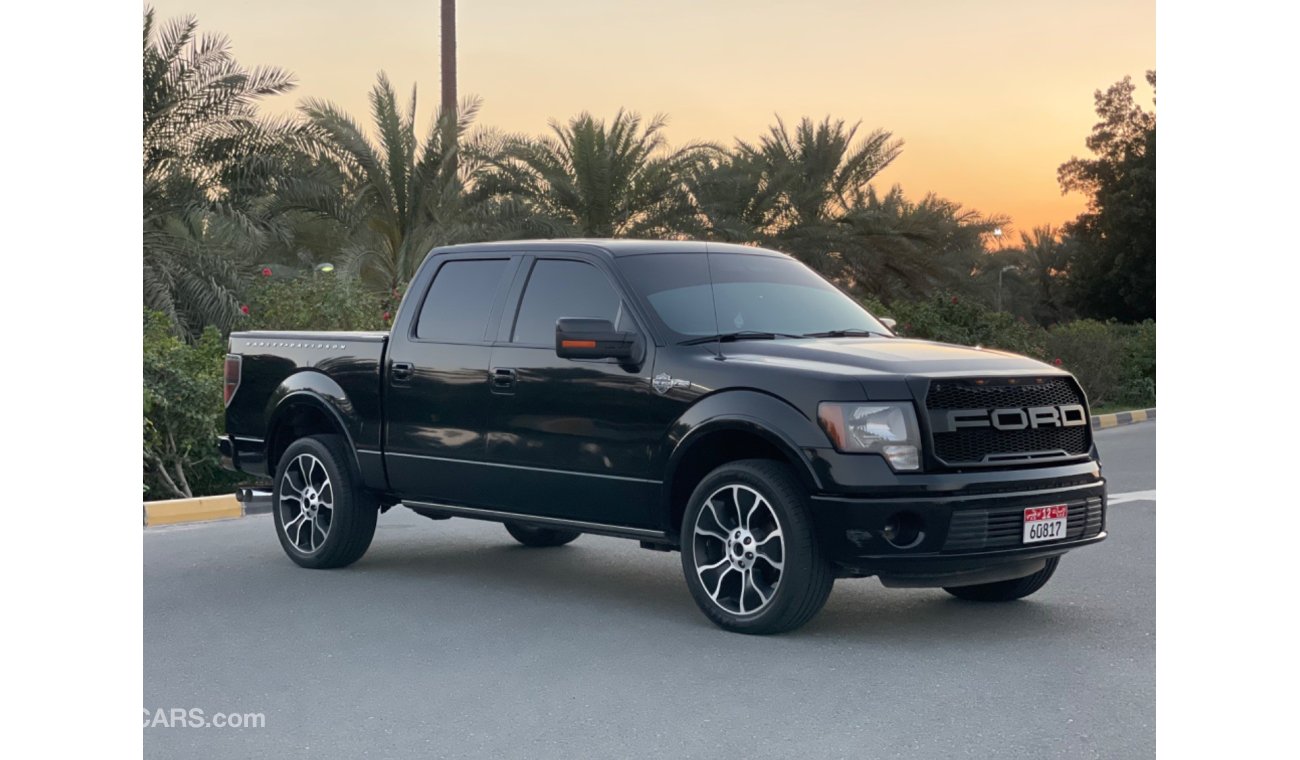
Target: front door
[573,438]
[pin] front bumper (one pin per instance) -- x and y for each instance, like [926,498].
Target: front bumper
[969,535]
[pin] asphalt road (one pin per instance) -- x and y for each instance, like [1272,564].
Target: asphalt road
[450,640]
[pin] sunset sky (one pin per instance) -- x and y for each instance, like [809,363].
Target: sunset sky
[989,97]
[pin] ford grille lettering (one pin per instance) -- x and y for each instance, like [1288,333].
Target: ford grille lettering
[1013,418]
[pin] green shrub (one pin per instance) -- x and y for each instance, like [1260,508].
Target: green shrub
[182,412]
[952,319]
[1115,363]
[1138,365]
[315,302]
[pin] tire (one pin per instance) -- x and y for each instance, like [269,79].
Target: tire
[530,535]
[754,592]
[1006,591]
[331,496]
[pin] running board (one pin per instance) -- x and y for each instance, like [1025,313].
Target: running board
[494,515]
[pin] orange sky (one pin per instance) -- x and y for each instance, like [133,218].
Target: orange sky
[990,97]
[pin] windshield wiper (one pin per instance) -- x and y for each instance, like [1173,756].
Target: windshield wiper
[847,333]
[740,335]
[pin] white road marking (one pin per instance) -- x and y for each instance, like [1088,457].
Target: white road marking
[1120,498]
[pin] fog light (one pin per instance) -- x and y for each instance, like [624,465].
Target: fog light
[903,457]
[903,530]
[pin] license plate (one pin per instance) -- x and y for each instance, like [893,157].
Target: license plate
[1045,523]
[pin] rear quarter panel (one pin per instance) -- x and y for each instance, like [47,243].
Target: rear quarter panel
[341,369]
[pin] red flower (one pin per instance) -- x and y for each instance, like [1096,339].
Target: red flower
[266,271]
[1057,361]
[387,316]
[244,308]
[954,299]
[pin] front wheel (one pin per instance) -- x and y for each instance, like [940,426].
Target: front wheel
[749,553]
[1007,591]
[323,517]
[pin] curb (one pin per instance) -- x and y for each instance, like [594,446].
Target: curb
[202,509]
[1102,421]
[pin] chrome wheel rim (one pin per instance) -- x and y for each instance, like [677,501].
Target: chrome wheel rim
[306,503]
[739,549]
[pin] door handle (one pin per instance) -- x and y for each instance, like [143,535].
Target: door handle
[503,380]
[402,370]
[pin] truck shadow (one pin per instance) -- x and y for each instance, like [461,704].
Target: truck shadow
[646,590]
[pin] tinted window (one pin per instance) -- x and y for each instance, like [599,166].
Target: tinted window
[749,292]
[558,289]
[457,305]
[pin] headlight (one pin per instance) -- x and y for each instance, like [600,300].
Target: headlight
[886,429]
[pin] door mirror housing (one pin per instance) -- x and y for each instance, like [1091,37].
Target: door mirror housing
[889,322]
[595,339]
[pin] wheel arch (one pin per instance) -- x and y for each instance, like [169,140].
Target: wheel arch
[728,427]
[307,406]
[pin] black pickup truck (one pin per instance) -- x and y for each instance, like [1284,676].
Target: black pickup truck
[718,400]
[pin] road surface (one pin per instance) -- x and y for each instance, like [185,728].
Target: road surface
[448,639]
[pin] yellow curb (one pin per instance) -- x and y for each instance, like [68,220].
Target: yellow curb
[1139,415]
[202,509]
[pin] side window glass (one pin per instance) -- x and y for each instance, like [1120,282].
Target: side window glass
[457,306]
[558,289]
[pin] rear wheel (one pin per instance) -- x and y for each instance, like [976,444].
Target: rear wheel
[1007,591]
[531,535]
[323,517]
[751,559]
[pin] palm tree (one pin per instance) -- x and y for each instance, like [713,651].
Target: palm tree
[818,169]
[209,163]
[596,179]
[397,197]
[895,248]
[791,189]
[1044,256]
[733,200]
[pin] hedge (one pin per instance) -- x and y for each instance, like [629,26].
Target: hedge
[1115,363]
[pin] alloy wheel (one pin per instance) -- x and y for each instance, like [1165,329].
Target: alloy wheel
[739,549]
[306,503]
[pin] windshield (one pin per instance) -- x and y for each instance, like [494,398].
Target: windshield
[753,293]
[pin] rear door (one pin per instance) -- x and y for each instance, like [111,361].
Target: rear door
[437,377]
[571,438]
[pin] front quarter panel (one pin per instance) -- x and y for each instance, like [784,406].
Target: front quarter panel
[748,410]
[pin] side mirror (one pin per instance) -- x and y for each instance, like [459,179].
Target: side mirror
[889,322]
[595,339]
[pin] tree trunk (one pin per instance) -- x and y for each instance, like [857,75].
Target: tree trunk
[448,55]
[161,468]
[449,79]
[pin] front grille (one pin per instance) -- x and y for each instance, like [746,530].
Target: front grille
[996,394]
[1003,527]
[987,445]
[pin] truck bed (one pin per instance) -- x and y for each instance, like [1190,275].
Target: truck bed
[343,367]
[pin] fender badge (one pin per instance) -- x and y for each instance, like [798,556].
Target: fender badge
[664,382]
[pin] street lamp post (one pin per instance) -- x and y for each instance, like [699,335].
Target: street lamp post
[997,235]
[1000,271]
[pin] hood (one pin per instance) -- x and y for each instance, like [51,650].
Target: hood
[884,356]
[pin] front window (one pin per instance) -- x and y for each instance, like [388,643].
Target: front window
[750,293]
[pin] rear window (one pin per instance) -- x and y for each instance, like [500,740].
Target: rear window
[456,308]
[558,289]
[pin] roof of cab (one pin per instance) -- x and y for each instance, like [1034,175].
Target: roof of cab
[608,246]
